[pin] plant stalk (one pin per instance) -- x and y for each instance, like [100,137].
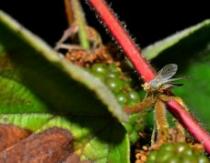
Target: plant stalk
[76,15]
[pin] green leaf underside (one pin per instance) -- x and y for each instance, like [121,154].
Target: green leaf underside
[190,49]
[55,80]
[37,88]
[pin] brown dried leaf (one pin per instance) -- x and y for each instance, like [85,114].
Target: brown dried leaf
[50,146]
[9,135]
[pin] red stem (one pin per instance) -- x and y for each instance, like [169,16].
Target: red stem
[122,37]
[145,70]
[191,124]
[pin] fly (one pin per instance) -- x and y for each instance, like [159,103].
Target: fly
[157,94]
[163,80]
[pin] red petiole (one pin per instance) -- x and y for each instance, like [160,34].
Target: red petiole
[145,70]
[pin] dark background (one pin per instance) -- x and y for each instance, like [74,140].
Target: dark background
[147,21]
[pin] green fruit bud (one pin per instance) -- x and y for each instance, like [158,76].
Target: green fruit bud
[152,157]
[203,159]
[122,98]
[98,68]
[115,85]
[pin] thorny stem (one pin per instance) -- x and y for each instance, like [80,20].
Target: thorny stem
[145,70]
[122,38]
[190,123]
[76,15]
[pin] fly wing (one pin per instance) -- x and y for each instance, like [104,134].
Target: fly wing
[167,72]
[170,80]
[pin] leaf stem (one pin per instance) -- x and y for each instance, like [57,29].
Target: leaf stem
[69,12]
[76,15]
[145,70]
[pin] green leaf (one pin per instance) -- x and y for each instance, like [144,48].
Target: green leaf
[190,49]
[39,89]
[193,38]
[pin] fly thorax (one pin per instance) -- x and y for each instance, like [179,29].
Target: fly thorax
[154,84]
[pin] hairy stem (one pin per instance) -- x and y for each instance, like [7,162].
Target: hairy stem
[122,37]
[145,70]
